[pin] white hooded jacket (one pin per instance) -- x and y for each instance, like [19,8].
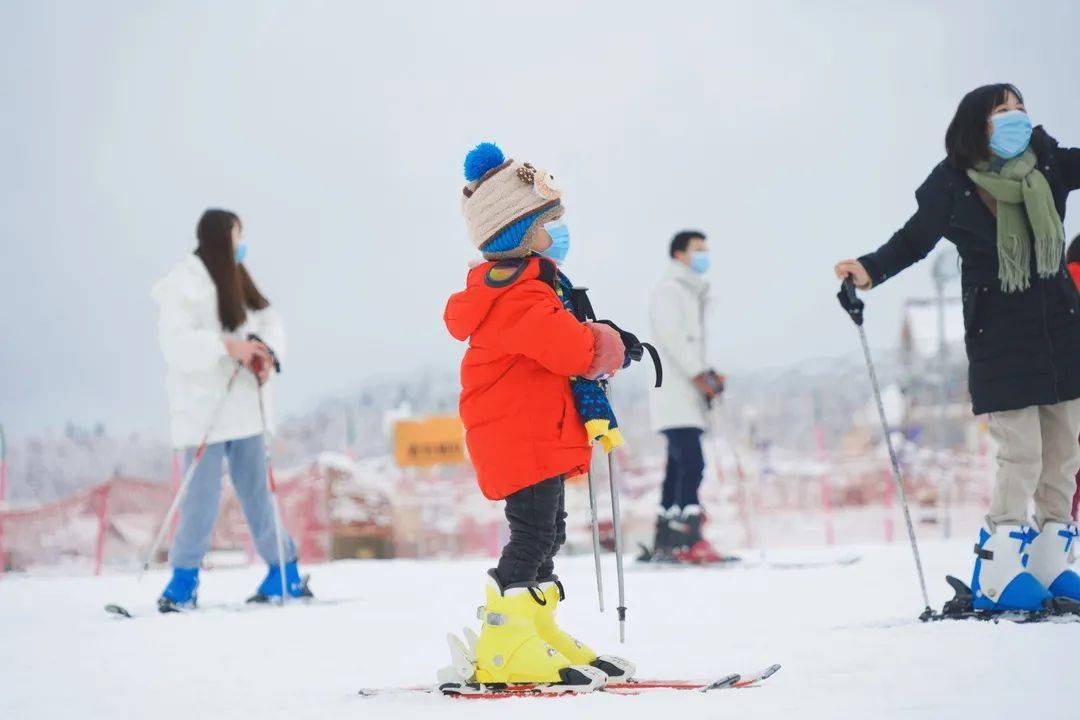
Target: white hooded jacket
[677,316]
[198,366]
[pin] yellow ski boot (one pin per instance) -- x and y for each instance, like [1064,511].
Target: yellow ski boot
[510,651]
[570,647]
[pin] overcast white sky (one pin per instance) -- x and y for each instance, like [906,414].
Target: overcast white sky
[793,133]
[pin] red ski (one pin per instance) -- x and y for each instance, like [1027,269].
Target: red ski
[738,680]
[478,691]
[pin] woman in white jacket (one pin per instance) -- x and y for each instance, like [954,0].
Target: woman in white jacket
[212,317]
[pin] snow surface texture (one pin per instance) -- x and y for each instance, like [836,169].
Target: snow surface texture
[846,636]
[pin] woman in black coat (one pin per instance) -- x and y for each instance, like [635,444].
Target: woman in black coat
[999,196]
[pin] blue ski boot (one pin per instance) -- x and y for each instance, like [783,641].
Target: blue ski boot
[180,593]
[1001,580]
[270,589]
[1051,560]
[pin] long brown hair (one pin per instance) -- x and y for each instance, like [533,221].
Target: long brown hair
[236,291]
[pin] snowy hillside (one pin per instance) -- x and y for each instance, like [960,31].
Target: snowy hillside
[846,635]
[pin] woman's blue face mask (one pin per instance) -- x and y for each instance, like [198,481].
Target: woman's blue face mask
[1011,134]
[560,241]
[241,252]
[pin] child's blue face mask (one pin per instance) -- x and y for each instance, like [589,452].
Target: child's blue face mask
[560,241]
[241,252]
[1011,134]
[700,261]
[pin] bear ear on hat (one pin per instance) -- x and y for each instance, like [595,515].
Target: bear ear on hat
[481,159]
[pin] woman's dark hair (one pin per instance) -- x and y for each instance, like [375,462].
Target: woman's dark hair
[1073,255]
[681,241]
[236,290]
[966,142]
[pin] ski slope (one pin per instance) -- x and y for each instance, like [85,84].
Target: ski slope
[846,635]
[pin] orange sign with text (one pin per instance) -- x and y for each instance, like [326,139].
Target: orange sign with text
[437,440]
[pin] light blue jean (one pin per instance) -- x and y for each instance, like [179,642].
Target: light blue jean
[199,509]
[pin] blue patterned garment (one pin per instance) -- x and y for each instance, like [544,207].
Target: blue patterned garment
[589,396]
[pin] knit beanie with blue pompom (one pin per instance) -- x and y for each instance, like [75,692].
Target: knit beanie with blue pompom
[505,202]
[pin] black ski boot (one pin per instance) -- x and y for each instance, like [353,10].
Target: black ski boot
[694,548]
[664,540]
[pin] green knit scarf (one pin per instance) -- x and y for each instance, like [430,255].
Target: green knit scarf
[1023,196]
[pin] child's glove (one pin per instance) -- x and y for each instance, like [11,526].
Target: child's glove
[610,351]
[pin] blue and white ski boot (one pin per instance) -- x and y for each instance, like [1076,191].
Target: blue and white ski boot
[1001,580]
[181,592]
[270,589]
[1051,559]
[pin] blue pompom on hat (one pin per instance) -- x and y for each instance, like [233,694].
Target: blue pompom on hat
[485,156]
[505,201]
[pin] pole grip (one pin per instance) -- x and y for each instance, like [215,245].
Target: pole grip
[850,301]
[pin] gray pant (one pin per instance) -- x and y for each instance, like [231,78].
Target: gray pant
[199,509]
[1038,457]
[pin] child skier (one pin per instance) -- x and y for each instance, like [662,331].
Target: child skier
[528,378]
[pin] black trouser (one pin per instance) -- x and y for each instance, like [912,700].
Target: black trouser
[685,467]
[537,517]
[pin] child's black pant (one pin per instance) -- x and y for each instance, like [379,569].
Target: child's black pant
[537,517]
[685,468]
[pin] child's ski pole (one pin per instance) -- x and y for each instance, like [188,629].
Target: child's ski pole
[616,523]
[596,542]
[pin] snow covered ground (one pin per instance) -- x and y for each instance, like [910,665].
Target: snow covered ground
[846,635]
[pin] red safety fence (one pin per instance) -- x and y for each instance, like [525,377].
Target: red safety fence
[115,521]
[338,507]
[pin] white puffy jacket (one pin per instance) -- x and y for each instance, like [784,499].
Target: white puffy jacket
[677,316]
[198,366]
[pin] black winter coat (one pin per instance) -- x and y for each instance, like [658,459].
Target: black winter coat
[1023,348]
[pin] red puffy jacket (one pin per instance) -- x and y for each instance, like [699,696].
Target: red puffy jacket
[521,425]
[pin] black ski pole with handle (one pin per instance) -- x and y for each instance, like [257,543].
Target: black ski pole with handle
[854,306]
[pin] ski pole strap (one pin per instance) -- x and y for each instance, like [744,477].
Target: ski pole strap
[635,349]
[583,308]
[849,300]
[656,362]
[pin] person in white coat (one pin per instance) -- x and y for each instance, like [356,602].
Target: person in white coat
[212,320]
[679,409]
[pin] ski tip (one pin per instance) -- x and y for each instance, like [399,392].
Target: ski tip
[117,610]
[753,679]
[770,671]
